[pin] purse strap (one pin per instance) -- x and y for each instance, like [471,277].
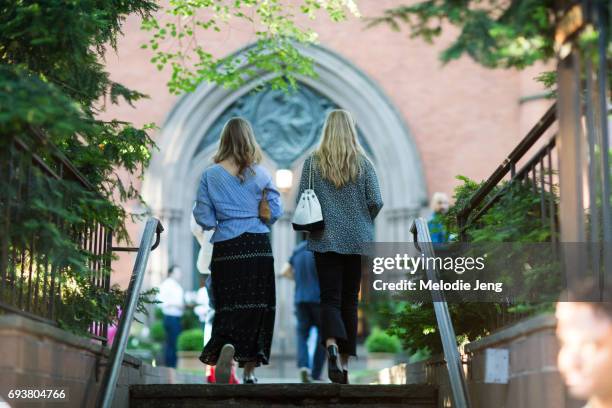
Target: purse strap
[310,173]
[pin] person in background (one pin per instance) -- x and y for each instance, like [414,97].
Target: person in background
[237,198]
[345,182]
[584,330]
[301,267]
[439,205]
[202,308]
[172,298]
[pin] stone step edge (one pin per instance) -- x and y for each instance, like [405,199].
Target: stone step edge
[285,391]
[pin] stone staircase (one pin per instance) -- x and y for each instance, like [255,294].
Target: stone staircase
[282,396]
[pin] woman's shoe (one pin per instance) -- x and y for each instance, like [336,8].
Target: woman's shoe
[345,372]
[334,370]
[249,379]
[223,369]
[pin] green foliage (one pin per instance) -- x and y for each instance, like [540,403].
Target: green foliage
[158,314]
[494,34]
[176,40]
[191,340]
[512,34]
[380,342]
[157,332]
[53,85]
[143,349]
[189,320]
[379,309]
[515,218]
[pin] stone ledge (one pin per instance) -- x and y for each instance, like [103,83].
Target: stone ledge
[20,324]
[520,329]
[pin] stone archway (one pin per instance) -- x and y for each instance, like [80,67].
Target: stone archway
[171,180]
[188,141]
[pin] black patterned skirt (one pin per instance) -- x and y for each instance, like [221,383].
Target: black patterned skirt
[242,272]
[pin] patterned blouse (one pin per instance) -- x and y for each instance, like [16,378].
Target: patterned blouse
[348,211]
[230,206]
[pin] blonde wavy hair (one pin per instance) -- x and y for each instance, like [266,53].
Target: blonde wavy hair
[338,156]
[238,142]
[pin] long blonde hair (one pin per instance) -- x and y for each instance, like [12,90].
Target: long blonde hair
[238,143]
[339,154]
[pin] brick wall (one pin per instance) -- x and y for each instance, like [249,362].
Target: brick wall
[35,355]
[533,378]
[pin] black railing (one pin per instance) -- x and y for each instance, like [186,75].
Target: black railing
[31,278]
[532,163]
[538,171]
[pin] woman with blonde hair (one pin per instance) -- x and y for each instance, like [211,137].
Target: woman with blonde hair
[345,183]
[230,199]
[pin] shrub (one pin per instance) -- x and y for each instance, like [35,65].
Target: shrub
[514,218]
[158,333]
[380,342]
[159,315]
[189,320]
[191,340]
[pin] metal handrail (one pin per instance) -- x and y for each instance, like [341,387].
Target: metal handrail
[461,397]
[153,229]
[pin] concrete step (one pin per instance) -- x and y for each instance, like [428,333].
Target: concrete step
[282,396]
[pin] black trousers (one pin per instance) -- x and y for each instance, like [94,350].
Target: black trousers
[339,280]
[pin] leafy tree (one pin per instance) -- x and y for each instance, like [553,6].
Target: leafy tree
[515,218]
[52,79]
[176,40]
[53,85]
[495,34]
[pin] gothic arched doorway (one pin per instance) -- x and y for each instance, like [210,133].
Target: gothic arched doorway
[287,126]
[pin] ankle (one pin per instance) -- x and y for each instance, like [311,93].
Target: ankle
[344,361]
[330,342]
[249,369]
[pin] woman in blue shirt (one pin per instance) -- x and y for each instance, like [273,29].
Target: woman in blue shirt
[242,266]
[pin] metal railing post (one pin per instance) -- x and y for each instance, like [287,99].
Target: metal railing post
[461,397]
[152,230]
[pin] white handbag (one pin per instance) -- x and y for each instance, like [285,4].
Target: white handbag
[308,215]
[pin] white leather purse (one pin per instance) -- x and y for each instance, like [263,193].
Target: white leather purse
[308,215]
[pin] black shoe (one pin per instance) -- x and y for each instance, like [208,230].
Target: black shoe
[345,372]
[334,370]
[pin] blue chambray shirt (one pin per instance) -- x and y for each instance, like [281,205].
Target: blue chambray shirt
[230,206]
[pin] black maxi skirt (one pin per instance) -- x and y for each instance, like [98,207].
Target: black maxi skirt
[242,273]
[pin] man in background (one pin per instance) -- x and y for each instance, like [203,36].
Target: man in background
[301,267]
[172,298]
[584,329]
[439,205]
